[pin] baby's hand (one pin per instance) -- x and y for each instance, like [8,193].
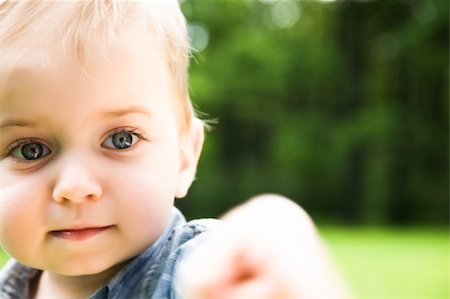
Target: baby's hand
[269,249]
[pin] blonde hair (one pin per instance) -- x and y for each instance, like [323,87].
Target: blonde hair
[78,26]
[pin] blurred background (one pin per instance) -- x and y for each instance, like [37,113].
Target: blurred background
[342,106]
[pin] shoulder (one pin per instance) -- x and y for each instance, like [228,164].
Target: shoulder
[182,239]
[181,235]
[15,280]
[193,232]
[187,237]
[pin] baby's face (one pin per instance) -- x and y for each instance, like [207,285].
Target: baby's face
[90,161]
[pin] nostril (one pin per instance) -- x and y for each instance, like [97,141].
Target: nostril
[77,194]
[78,199]
[75,182]
[92,197]
[59,199]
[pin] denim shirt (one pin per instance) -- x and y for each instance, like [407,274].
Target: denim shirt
[150,275]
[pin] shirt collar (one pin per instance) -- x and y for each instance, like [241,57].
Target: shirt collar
[130,275]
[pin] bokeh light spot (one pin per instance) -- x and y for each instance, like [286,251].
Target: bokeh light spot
[199,36]
[285,13]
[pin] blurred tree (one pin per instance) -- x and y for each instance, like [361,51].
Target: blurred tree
[342,106]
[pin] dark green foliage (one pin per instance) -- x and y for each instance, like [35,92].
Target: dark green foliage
[346,111]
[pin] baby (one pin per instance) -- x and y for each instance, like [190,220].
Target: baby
[97,138]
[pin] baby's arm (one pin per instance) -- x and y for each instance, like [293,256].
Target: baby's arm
[269,249]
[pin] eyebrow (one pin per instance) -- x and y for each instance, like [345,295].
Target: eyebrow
[7,123]
[127,110]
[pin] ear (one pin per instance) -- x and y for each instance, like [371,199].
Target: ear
[190,148]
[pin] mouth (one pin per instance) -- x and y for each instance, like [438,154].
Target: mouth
[79,234]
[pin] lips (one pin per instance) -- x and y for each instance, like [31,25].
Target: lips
[79,234]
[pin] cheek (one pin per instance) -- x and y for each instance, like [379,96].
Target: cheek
[154,175]
[147,198]
[146,192]
[21,216]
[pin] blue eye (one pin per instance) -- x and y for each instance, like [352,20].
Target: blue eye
[30,151]
[121,140]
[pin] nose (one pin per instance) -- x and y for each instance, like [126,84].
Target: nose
[76,183]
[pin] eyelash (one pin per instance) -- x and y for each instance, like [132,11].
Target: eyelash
[16,144]
[134,131]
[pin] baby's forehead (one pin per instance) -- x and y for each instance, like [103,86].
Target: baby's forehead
[19,63]
[112,82]
[86,30]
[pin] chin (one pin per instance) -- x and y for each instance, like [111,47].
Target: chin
[86,268]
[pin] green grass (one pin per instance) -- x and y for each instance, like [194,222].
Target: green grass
[383,263]
[3,258]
